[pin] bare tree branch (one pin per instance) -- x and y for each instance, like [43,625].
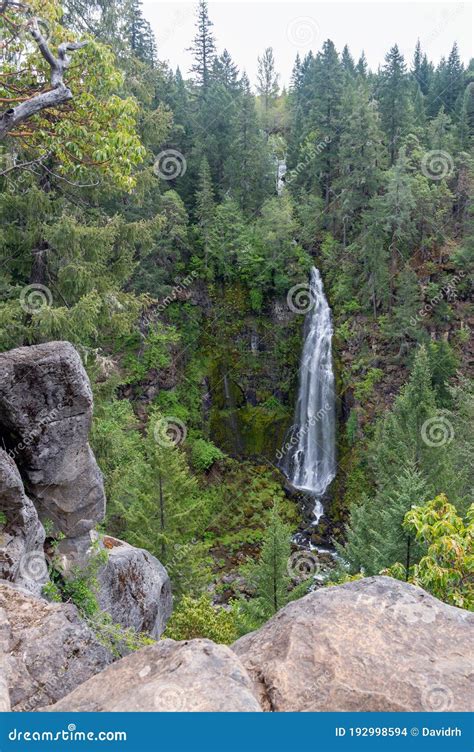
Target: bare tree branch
[59,94]
[24,165]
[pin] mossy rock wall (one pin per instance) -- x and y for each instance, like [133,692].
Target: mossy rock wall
[250,431]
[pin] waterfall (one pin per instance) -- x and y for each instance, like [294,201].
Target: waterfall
[309,459]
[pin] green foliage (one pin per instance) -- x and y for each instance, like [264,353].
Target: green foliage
[270,577]
[351,427]
[197,617]
[447,569]
[204,454]
[443,366]
[98,132]
[155,353]
[407,466]
[161,284]
[363,389]
[52,593]
[81,584]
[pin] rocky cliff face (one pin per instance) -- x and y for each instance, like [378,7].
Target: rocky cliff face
[49,472]
[22,557]
[47,649]
[45,418]
[170,676]
[376,644]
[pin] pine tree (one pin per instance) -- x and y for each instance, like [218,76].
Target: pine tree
[267,79]
[375,537]
[361,158]
[248,171]
[370,256]
[347,62]
[226,72]
[425,75]
[361,67]
[404,321]
[226,239]
[205,208]
[467,118]
[203,48]
[407,469]
[168,511]
[295,80]
[454,80]
[139,34]
[394,103]
[269,577]
[399,210]
[401,437]
[327,75]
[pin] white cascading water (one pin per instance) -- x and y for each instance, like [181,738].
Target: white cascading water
[309,462]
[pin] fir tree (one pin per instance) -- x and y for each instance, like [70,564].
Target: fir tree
[205,208]
[203,48]
[327,76]
[226,72]
[361,158]
[269,577]
[267,79]
[406,468]
[347,61]
[361,67]
[394,103]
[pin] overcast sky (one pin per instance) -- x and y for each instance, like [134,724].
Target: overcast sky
[245,28]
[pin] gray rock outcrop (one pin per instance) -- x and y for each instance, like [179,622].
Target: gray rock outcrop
[133,586]
[375,644]
[22,535]
[48,649]
[195,675]
[45,417]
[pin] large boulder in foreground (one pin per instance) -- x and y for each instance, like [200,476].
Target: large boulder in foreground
[47,649]
[133,586]
[21,533]
[170,676]
[45,417]
[375,644]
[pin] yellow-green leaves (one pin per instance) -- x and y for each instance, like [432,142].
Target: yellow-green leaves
[447,570]
[93,136]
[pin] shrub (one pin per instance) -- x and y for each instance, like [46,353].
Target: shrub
[197,617]
[204,454]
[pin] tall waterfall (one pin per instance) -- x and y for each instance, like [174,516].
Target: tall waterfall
[309,461]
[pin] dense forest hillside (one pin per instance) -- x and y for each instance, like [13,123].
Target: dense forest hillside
[166,223]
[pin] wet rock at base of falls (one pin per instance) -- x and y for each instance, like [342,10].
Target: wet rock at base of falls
[22,535]
[190,676]
[48,649]
[375,644]
[45,417]
[133,586]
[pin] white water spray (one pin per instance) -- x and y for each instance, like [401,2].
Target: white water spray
[310,460]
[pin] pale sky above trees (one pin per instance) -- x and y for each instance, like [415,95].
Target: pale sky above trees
[246,28]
